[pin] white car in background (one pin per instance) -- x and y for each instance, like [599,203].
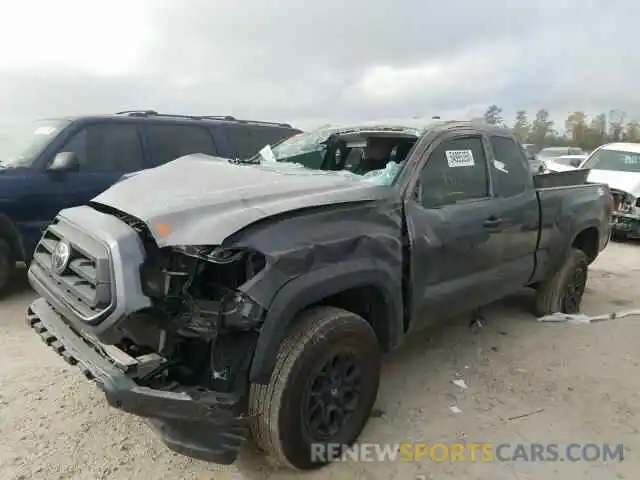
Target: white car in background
[618,165]
[564,163]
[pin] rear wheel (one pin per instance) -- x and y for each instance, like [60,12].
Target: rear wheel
[322,389]
[563,292]
[7,266]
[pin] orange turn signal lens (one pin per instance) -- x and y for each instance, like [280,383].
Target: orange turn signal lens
[163,229]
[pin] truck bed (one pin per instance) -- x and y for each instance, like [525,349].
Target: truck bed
[567,204]
[561,179]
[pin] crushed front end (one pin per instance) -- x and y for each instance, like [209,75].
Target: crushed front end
[625,219]
[165,332]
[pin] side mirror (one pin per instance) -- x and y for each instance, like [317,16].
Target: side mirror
[575,162]
[65,162]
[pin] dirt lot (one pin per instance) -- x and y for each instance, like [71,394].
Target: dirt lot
[581,379]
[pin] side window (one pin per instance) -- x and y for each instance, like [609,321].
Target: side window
[173,141]
[247,140]
[107,147]
[241,141]
[511,171]
[262,136]
[455,171]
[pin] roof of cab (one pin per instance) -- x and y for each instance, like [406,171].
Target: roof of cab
[410,127]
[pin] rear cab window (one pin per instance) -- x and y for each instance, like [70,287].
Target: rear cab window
[171,141]
[510,171]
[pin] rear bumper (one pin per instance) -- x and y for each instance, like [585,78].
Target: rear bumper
[204,425]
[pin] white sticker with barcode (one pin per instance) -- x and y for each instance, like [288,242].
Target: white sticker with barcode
[460,158]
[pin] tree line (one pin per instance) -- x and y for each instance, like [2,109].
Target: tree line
[579,130]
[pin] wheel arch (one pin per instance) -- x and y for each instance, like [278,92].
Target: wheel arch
[373,292]
[587,240]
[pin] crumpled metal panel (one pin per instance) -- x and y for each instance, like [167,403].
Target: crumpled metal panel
[201,200]
[362,235]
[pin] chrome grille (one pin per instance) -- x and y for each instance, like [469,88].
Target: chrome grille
[85,282]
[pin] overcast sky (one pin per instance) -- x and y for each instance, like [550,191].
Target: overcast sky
[312,62]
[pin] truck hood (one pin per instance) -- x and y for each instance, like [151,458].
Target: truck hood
[201,200]
[628,182]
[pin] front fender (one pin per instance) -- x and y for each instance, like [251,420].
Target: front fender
[315,286]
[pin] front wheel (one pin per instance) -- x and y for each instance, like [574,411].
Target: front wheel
[563,292]
[321,391]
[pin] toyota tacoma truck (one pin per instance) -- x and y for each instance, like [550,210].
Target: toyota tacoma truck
[223,299]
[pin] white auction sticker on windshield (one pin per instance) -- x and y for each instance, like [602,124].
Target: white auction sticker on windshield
[460,158]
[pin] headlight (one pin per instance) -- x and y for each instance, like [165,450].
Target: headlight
[253,261]
[154,280]
[212,253]
[240,312]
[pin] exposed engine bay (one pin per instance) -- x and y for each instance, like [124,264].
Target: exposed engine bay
[201,327]
[625,203]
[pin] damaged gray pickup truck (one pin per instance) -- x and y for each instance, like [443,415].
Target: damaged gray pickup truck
[221,299]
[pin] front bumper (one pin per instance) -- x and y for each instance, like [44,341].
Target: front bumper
[200,424]
[625,224]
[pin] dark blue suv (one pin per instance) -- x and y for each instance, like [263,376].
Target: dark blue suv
[65,162]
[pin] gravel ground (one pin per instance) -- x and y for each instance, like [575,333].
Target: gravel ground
[581,379]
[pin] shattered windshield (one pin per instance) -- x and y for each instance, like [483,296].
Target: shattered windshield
[385,176]
[614,160]
[308,149]
[20,147]
[312,153]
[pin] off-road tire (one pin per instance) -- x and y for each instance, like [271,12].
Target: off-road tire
[278,425]
[550,294]
[7,266]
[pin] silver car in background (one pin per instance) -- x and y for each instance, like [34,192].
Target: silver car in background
[564,163]
[535,164]
[551,153]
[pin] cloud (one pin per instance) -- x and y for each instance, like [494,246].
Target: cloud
[313,62]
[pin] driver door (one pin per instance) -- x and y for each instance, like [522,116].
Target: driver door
[455,234]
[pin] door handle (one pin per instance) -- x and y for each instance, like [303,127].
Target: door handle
[492,222]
